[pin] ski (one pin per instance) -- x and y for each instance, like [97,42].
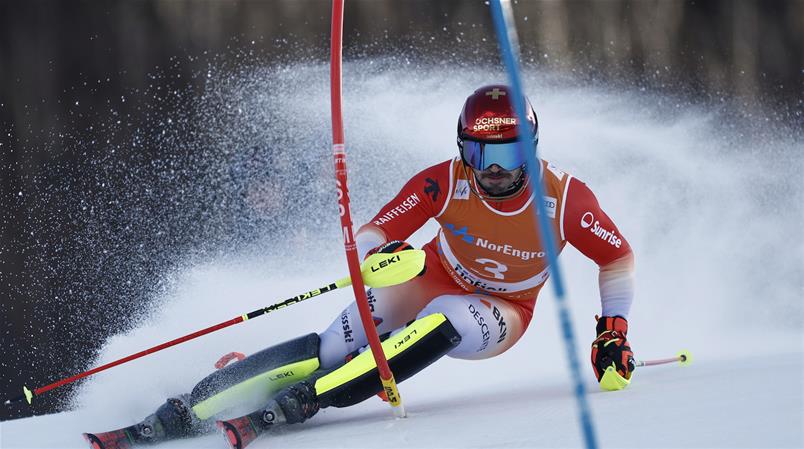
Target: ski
[124,438]
[240,432]
[116,439]
[149,431]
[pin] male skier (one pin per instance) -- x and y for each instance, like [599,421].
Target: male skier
[474,300]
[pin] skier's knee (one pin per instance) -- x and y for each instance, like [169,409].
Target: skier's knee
[462,314]
[488,326]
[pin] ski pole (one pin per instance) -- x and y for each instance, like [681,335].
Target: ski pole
[683,358]
[378,270]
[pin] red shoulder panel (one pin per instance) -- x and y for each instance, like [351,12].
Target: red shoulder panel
[421,198]
[589,229]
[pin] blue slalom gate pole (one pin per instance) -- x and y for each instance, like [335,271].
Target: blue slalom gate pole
[505,28]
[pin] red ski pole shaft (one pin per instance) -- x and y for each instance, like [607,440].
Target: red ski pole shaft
[377,273]
[28,394]
[131,357]
[352,258]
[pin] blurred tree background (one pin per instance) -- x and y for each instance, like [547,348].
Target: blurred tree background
[65,65]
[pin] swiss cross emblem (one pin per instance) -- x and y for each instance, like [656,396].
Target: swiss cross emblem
[495,93]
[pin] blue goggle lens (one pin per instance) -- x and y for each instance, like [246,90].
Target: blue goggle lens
[483,155]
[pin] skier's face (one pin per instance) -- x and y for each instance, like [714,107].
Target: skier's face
[495,180]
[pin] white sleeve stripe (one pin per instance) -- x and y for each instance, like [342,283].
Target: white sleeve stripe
[563,206]
[616,293]
[616,307]
[616,281]
[368,239]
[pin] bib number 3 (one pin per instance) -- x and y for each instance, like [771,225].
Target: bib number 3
[492,266]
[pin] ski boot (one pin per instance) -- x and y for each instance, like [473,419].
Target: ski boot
[294,404]
[173,419]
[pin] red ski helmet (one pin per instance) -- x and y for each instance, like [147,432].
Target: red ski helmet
[487,129]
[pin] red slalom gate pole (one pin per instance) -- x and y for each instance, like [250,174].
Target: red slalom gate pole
[339,154]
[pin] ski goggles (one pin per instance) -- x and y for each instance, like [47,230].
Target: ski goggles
[481,156]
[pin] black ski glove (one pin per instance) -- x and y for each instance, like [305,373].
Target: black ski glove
[612,347]
[394,246]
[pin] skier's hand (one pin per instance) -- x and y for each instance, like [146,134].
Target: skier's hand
[394,246]
[612,347]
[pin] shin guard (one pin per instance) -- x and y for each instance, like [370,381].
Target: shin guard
[414,348]
[252,381]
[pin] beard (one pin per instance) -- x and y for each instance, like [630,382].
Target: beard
[497,182]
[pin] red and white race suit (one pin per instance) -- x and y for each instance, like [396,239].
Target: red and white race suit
[487,264]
